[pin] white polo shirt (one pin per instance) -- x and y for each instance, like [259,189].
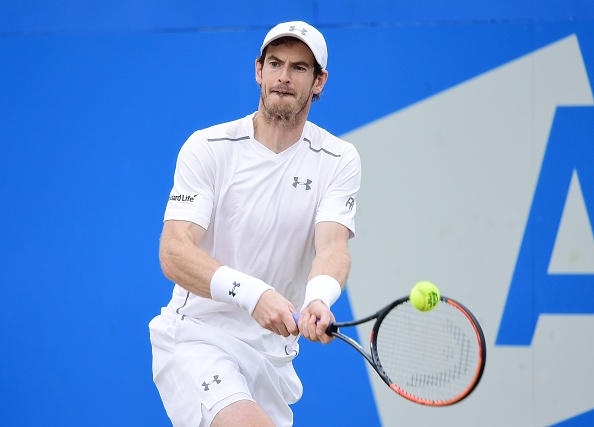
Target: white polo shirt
[259,210]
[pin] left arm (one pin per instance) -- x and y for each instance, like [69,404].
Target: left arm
[332,252]
[332,259]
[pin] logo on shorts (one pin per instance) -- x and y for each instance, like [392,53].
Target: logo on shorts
[306,183]
[215,380]
[232,291]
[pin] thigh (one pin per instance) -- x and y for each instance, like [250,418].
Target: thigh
[199,371]
[195,379]
[274,388]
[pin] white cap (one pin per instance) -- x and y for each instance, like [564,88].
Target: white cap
[304,32]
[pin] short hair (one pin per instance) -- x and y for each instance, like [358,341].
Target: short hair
[318,71]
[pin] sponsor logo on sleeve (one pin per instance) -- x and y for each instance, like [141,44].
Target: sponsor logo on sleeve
[182,198]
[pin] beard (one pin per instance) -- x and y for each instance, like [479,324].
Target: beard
[284,112]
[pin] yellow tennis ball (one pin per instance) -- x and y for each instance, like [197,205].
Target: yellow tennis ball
[424,296]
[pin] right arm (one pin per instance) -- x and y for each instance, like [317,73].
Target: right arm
[184,263]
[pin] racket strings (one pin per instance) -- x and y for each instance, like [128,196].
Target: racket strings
[432,356]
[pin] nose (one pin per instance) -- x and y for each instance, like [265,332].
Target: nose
[285,76]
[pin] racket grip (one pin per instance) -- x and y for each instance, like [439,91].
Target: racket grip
[331,328]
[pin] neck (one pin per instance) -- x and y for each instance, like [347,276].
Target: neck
[275,133]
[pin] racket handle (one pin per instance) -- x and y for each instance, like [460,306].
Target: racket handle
[331,328]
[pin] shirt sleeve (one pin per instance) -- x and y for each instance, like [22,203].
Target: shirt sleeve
[191,198]
[339,202]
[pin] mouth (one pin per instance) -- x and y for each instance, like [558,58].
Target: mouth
[282,90]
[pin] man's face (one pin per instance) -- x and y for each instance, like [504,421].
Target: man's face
[287,81]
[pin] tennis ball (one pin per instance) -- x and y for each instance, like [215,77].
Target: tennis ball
[424,296]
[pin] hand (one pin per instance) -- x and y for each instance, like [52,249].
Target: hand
[274,312]
[314,321]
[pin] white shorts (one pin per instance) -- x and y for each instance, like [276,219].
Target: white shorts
[198,371]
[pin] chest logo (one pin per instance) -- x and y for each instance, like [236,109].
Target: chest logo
[306,183]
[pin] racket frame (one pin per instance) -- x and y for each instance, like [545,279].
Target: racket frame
[373,358]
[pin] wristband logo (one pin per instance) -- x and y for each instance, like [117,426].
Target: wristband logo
[182,198]
[232,291]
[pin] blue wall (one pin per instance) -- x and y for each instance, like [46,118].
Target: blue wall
[96,99]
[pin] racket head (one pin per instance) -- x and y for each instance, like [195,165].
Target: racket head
[434,358]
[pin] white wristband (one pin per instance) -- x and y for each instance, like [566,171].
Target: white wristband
[323,288]
[237,288]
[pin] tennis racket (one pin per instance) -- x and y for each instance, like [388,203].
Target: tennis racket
[433,358]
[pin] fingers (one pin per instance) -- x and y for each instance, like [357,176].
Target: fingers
[286,325]
[274,313]
[308,326]
[283,324]
[314,322]
[322,326]
[314,330]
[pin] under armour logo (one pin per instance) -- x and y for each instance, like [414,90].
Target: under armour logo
[215,380]
[232,291]
[350,203]
[297,182]
[303,30]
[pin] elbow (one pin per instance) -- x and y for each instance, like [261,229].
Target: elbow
[165,258]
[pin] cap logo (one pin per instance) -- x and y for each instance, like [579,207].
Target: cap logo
[294,28]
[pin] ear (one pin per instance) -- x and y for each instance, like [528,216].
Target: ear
[258,72]
[318,86]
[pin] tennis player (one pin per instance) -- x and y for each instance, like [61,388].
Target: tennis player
[256,228]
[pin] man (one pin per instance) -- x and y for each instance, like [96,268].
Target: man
[256,229]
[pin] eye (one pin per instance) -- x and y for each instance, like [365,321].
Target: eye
[299,68]
[274,64]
